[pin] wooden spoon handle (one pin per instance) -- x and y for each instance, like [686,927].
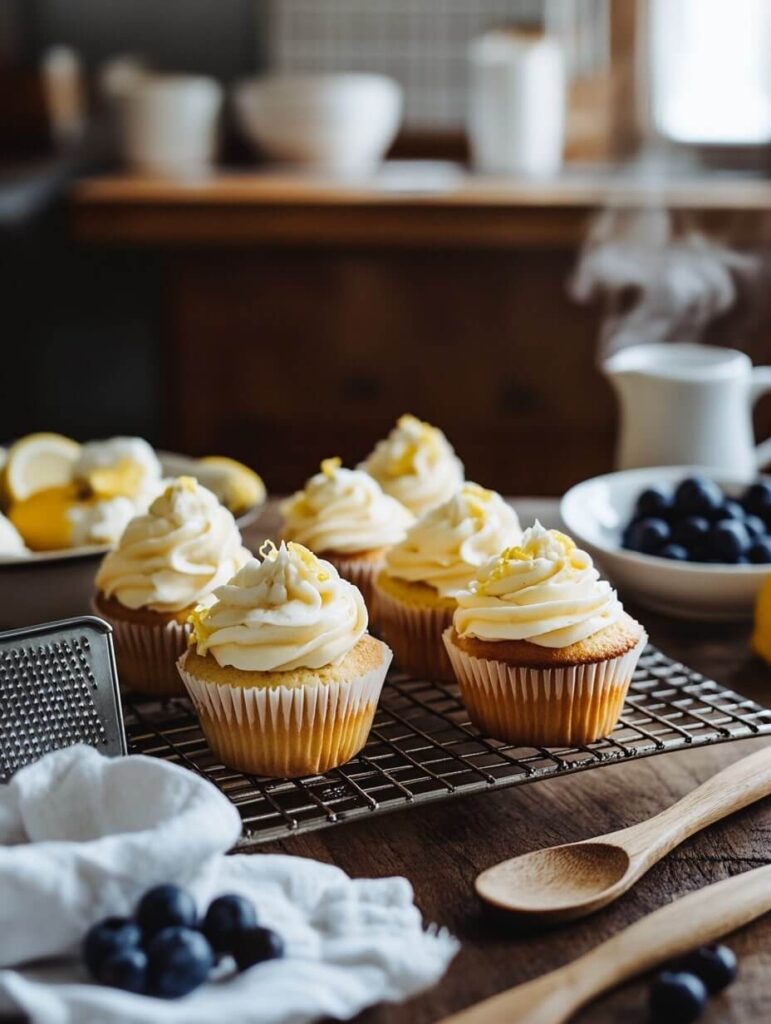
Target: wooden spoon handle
[735,787]
[668,932]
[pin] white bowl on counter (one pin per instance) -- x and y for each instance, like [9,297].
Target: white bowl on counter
[342,123]
[50,585]
[595,513]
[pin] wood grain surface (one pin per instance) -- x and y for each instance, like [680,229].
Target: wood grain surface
[280,208]
[441,848]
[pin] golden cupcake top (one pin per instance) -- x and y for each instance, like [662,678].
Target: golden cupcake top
[286,610]
[544,590]
[449,544]
[344,511]
[416,465]
[176,554]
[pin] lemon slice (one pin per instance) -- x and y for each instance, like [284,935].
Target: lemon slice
[38,462]
[235,484]
[43,518]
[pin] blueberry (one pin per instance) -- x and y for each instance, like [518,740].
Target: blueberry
[677,998]
[164,906]
[255,945]
[729,540]
[760,552]
[698,496]
[715,965]
[655,501]
[648,535]
[227,915]
[674,551]
[179,960]
[731,509]
[691,532]
[126,970]
[757,499]
[107,937]
[755,526]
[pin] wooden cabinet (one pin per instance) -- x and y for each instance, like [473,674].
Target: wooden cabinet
[300,321]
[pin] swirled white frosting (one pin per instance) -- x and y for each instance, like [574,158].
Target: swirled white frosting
[176,554]
[102,522]
[447,546]
[118,466]
[545,590]
[416,465]
[346,511]
[11,541]
[291,610]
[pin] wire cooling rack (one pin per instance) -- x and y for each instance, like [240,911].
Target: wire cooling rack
[422,748]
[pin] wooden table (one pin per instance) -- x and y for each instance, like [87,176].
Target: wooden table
[441,847]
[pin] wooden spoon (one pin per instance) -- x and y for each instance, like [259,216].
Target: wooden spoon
[668,932]
[562,883]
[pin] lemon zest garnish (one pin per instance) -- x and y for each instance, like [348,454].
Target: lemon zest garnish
[197,619]
[268,551]
[328,466]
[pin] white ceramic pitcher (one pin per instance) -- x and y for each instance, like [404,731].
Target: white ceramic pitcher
[688,404]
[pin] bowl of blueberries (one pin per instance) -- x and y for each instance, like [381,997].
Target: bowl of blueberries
[679,539]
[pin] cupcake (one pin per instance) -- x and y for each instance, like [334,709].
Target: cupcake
[346,519]
[541,646]
[415,593]
[281,670]
[416,465]
[166,563]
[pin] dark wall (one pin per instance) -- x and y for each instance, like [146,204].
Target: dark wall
[80,343]
[218,37]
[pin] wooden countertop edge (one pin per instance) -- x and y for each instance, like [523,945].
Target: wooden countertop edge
[284,210]
[720,192]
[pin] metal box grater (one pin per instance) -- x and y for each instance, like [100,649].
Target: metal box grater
[58,687]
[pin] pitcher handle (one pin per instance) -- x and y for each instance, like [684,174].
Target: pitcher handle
[761,385]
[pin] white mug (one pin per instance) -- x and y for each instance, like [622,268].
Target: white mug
[688,404]
[169,124]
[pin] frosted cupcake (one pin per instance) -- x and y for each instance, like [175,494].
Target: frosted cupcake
[416,465]
[167,562]
[541,646]
[344,517]
[415,593]
[283,675]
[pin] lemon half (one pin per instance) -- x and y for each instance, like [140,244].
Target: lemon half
[38,462]
[236,485]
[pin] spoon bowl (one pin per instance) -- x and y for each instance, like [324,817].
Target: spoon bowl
[561,881]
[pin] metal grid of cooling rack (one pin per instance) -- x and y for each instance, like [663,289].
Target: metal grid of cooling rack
[422,748]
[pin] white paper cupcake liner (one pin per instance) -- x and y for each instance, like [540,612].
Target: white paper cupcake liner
[362,574]
[545,707]
[415,635]
[146,655]
[286,731]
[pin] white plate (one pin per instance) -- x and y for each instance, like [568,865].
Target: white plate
[50,585]
[595,513]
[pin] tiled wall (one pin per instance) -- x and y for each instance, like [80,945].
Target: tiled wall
[421,43]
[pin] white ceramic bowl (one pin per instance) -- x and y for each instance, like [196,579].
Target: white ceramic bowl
[595,513]
[342,123]
[52,585]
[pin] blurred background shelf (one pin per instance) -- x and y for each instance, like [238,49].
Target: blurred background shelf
[420,205]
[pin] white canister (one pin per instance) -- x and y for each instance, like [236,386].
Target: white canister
[169,124]
[516,118]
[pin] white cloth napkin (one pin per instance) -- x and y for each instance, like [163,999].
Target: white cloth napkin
[84,836]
